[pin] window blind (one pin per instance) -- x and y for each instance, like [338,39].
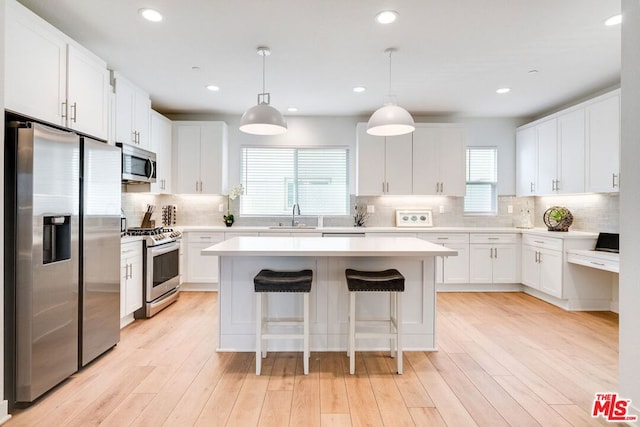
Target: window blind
[275,178]
[482,178]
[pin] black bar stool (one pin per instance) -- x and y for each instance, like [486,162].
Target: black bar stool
[376,281]
[281,281]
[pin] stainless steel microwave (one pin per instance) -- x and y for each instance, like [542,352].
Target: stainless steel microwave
[138,165]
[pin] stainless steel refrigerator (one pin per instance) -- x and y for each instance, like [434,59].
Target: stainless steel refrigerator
[62,255]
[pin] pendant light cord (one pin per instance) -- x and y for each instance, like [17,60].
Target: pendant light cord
[263,71]
[390,53]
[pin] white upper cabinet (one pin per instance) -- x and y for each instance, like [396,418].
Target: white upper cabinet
[383,163]
[87,93]
[36,66]
[133,113]
[547,134]
[431,160]
[561,154]
[161,145]
[572,151]
[603,144]
[526,162]
[51,78]
[439,159]
[199,157]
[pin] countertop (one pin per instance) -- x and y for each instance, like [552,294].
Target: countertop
[265,229]
[318,246]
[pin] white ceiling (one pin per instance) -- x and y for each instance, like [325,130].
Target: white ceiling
[452,55]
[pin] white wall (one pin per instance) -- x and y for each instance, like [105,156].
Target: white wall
[630,206]
[3,403]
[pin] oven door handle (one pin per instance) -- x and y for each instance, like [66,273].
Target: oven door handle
[163,249]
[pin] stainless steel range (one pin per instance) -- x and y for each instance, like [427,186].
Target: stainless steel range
[161,273]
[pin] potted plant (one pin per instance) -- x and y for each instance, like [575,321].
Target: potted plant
[235,192]
[558,218]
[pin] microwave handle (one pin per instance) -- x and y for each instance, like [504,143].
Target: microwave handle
[151,168]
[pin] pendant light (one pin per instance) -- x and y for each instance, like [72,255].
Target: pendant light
[263,119]
[390,119]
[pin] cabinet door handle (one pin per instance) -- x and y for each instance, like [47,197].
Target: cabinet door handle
[74,111]
[495,253]
[442,187]
[491,253]
[614,179]
[64,110]
[532,187]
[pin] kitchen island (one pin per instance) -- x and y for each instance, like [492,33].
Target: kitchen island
[241,258]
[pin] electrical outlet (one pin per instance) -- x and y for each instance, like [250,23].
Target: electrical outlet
[221,207]
[441,209]
[509,208]
[371,209]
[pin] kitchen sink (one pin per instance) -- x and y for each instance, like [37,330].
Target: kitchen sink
[292,227]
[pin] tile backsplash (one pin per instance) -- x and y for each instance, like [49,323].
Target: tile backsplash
[592,212]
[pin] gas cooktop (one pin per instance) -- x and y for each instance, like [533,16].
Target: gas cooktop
[155,236]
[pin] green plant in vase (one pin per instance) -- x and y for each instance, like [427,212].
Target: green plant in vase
[235,192]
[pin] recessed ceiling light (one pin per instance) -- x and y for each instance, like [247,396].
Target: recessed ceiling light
[213,88]
[503,90]
[151,15]
[292,109]
[614,20]
[387,16]
[359,89]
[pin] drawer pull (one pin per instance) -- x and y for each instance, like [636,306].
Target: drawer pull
[539,241]
[493,238]
[205,237]
[597,263]
[443,238]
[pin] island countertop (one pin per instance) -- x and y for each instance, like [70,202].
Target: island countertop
[319,246]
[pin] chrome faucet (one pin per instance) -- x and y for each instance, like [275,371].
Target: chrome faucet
[296,207]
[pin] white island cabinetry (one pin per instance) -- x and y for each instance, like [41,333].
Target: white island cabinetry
[243,257]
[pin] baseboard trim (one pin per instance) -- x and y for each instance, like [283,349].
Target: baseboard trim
[4,412]
[199,287]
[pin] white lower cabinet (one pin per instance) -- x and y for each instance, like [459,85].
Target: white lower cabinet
[202,269]
[450,270]
[131,278]
[493,258]
[542,264]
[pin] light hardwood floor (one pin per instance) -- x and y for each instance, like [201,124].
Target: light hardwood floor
[503,359]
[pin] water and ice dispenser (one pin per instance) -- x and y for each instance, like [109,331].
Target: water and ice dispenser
[56,238]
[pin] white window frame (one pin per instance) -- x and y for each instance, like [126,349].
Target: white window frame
[305,210]
[493,184]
